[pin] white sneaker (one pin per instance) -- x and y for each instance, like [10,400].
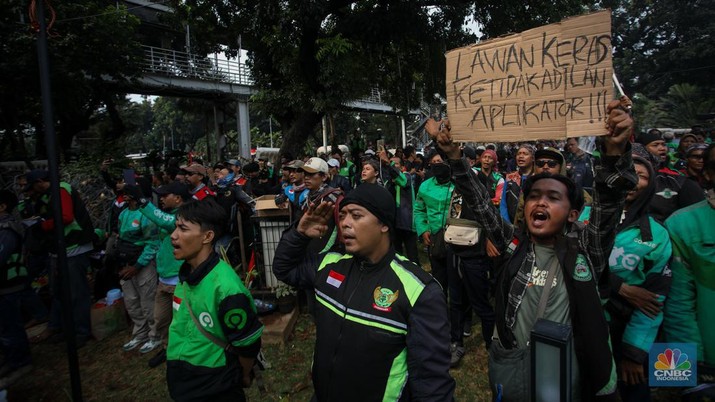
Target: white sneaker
[150,345]
[131,345]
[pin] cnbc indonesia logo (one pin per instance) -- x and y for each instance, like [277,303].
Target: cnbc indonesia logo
[672,366]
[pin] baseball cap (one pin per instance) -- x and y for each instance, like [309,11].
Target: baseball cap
[234,162]
[296,164]
[174,187]
[552,153]
[316,165]
[333,163]
[369,152]
[195,168]
[34,176]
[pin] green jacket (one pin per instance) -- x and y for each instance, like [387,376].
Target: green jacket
[197,368]
[636,262]
[349,171]
[137,229]
[689,312]
[166,265]
[78,230]
[431,208]
[13,273]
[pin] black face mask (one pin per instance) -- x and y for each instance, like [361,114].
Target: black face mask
[442,172]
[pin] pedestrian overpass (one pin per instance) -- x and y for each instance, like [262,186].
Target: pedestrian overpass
[168,72]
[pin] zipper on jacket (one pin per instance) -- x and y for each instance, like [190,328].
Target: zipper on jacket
[342,323]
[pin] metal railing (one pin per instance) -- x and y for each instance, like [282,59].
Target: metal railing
[175,63]
[186,65]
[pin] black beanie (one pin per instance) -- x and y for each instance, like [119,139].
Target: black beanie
[650,136]
[375,199]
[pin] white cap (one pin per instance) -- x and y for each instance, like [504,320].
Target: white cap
[332,162]
[315,165]
[369,152]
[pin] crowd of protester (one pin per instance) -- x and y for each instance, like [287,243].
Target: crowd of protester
[636,228]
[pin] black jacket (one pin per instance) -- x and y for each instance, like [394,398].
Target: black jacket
[372,320]
[583,256]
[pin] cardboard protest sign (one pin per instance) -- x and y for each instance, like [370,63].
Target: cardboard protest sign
[550,82]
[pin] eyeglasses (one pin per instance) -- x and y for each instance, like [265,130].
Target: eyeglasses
[541,162]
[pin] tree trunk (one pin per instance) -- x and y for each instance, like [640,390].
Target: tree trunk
[297,131]
[118,127]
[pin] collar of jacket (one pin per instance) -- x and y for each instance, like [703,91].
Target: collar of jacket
[194,277]
[366,266]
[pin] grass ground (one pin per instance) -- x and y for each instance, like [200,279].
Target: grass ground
[109,374]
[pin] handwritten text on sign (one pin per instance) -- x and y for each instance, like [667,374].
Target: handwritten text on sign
[549,82]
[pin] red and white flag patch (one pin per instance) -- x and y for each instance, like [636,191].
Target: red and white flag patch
[336,279]
[176,303]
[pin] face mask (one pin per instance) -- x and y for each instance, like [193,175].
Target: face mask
[442,172]
[225,181]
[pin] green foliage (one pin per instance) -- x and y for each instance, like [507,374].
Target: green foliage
[90,42]
[682,104]
[661,43]
[309,58]
[283,290]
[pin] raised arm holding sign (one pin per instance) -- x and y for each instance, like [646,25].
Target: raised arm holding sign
[550,82]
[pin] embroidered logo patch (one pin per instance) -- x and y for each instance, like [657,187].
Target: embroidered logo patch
[667,193]
[512,246]
[206,320]
[582,272]
[335,279]
[235,318]
[384,298]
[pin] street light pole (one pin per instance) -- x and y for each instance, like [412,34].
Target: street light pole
[54,172]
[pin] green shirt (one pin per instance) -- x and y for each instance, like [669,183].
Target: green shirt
[557,306]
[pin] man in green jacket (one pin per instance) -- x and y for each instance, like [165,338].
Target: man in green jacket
[215,334]
[137,244]
[689,316]
[171,197]
[431,210]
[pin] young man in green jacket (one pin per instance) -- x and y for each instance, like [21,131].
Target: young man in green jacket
[550,247]
[215,334]
[689,316]
[137,245]
[171,197]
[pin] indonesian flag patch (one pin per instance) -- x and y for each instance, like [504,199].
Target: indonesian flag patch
[512,246]
[335,279]
[176,303]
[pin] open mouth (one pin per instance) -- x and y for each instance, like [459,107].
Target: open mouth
[539,218]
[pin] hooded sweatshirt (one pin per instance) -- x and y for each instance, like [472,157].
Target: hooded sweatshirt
[640,257]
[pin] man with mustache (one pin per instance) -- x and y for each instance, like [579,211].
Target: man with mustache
[382,331]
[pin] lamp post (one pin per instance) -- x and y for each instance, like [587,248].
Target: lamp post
[551,351]
[54,171]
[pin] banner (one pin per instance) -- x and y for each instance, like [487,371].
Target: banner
[550,82]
